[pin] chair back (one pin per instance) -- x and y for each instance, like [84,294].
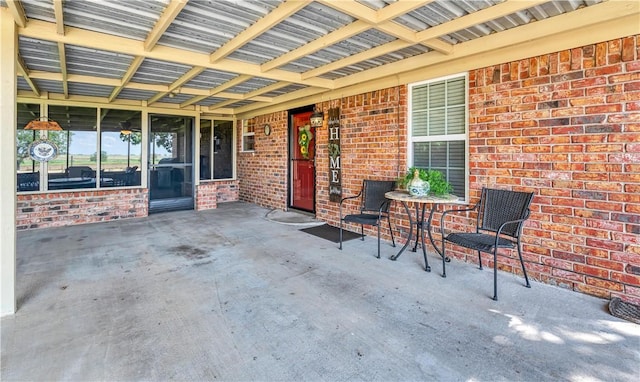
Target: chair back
[500,206]
[373,194]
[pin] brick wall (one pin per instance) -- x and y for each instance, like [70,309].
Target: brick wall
[567,127]
[210,193]
[262,173]
[57,209]
[564,125]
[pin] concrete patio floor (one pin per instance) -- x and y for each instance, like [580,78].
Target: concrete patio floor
[230,295]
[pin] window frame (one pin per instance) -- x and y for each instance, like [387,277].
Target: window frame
[246,133]
[211,150]
[458,137]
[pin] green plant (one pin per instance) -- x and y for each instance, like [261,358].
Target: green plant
[438,184]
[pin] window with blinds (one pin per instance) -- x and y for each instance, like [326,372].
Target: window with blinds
[438,129]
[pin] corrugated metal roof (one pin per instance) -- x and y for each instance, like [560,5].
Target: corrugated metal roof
[200,28]
[159,72]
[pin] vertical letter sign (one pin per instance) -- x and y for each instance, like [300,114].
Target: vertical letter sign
[335,176]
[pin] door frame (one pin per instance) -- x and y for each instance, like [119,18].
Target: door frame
[176,203]
[293,146]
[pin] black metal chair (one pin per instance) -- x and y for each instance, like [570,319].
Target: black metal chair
[373,207]
[501,215]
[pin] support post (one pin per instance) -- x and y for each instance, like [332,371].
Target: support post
[8,90]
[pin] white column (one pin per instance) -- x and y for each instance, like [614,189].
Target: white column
[8,89]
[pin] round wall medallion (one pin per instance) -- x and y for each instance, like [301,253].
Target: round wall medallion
[43,150]
[267,129]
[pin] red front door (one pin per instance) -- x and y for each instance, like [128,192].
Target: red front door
[303,151]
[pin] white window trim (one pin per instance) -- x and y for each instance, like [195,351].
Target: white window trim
[245,124]
[440,138]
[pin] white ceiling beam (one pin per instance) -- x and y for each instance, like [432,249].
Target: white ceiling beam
[59,15]
[63,69]
[188,76]
[282,12]
[380,20]
[358,57]
[229,84]
[315,45]
[169,14]
[265,89]
[133,68]
[24,72]
[101,41]
[399,8]
[15,7]
[491,13]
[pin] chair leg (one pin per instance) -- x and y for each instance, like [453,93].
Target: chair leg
[393,242]
[444,257]
[378,240]
[340,235]
[523,270]
[362,232]
[495,274]
[480,259]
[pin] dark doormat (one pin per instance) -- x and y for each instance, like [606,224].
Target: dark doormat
[330,233]
[624,310]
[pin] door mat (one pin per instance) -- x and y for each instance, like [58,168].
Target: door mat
[330,233]
[624,310]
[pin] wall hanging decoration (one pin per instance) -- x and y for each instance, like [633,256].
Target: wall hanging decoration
[43,150]
[335,173]
[304,137]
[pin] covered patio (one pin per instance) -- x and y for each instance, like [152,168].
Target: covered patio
[228,294]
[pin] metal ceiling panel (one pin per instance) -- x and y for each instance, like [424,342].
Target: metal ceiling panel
[49,86]
[308,24]
[240,103]
[135,94]
[342,49]
[39,54]
[284,90]
[22,84]
[97,63]
[210,79]
[204,26]
[90,90]
[39,9]
[132,19]
[175,98]
[251,85]
[159,72]
[210,101]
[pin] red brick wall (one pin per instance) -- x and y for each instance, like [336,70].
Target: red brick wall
[564,125]
[262,174]
[57,209]
[210,193]
[567,127]
[372,146]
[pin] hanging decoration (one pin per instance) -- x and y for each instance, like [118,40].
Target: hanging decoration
[335,172]
[43,123]
[304,138]
[43,150]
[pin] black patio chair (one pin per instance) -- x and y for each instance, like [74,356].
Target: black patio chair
[373,207]
[501,215]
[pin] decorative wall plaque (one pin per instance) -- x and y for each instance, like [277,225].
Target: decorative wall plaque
[335,174]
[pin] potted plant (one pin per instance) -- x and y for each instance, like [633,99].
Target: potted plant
[436,183]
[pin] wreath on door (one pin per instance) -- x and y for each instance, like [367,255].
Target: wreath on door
[304,138]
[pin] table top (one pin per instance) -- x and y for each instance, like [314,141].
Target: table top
[404,196]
